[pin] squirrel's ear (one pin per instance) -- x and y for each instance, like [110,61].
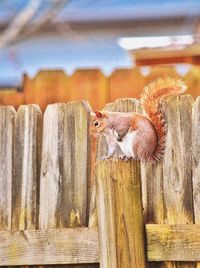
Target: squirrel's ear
[99,114]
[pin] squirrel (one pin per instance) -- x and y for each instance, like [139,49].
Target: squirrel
[139,136]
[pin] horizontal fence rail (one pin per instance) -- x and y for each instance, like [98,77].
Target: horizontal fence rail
[45,247]
[165,242]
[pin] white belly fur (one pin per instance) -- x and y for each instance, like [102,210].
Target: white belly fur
[127,144]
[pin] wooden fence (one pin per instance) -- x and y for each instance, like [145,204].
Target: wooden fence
[92,85]
[48,197]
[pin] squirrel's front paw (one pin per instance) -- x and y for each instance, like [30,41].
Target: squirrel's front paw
[129,158]
[124,157]
[121,157]
[105,157]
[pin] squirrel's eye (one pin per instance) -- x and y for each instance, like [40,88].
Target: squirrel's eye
[96,124]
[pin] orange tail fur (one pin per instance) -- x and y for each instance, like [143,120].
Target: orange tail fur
[153,93]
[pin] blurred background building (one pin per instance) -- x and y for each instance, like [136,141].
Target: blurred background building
[44,34]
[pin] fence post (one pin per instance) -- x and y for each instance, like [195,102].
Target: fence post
[119,202]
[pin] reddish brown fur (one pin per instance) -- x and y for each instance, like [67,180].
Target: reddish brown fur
[151,100]
[146,141]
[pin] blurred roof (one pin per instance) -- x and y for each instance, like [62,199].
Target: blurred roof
[109,10]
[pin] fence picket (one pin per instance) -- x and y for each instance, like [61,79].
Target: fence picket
[90,85]
[177,164]
[65,167]
[26,167]
[195,161]
[120,214]
[7,117]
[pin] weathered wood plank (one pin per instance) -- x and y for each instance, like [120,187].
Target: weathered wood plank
[120,105]
[7,117]
[196,158]
[152,195]
[152,192]
[65,167]
[167,198]
[196,161]
[177,164]
[59,246]
[26,168]
[119,204]
[123,105]
[77,184]
[152,189]
[51,166]
[178,242]
[65,171]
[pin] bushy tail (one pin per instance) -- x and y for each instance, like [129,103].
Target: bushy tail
[153,93]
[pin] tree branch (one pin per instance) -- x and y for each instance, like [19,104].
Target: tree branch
[47,17]
[19,22]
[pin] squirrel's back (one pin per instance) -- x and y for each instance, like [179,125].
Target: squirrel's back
[150,99]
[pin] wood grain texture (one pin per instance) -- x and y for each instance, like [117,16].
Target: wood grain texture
[26,167]
[64,170]
[152,192]
[152,189]
[60,246]
[77,184]
[152,195]
[7,118]
[119,202]
[52,158]
[177,164]
[178,242]
[120,105]
[196,161]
